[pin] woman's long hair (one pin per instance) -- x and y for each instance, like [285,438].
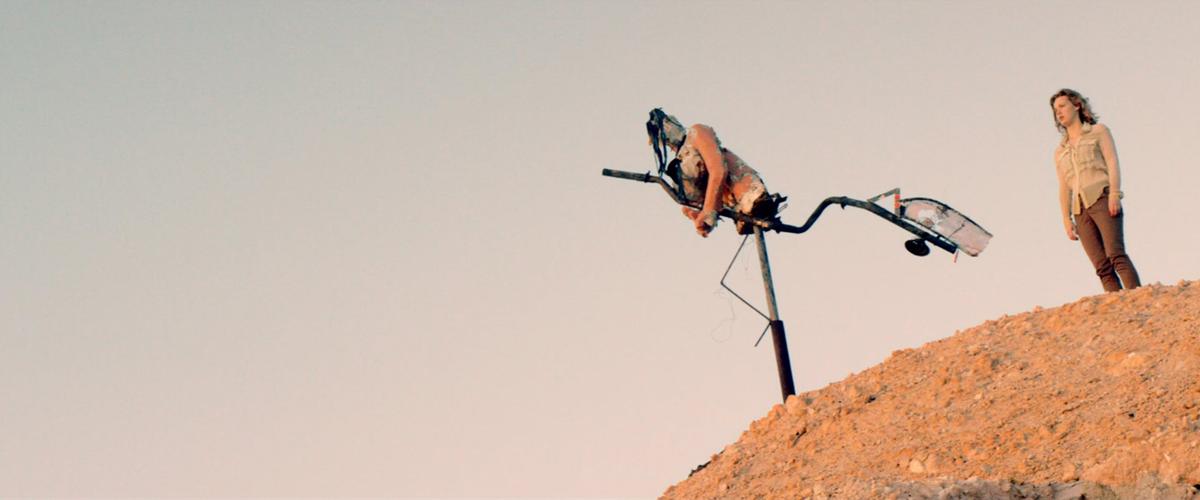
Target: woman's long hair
[1086,115]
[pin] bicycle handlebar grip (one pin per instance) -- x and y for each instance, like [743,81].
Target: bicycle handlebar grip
[621,174]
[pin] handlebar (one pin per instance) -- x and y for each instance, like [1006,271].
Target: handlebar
[778,226]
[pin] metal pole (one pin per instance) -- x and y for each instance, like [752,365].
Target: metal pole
[782,360]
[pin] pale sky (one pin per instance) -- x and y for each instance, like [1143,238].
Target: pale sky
[365,249]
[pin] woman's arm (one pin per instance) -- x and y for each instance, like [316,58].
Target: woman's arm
[1064,200]
[705,142]
[1109,149]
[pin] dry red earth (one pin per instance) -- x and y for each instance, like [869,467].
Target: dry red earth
[1095,399]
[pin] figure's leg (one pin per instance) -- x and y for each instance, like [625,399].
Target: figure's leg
[1112,233]
[1093,245]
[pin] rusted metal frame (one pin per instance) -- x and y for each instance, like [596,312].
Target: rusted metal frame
[778,225]
[778,335]
[894,193]
[937,239]
[782,360]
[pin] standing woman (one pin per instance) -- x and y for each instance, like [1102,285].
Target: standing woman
[1089,188]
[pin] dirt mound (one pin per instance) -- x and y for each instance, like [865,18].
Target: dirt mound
[1098,398]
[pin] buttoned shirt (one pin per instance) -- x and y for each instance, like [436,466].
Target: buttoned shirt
[1082,167]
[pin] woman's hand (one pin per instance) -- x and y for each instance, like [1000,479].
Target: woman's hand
[705,221]
[1114,205]
[1070,227]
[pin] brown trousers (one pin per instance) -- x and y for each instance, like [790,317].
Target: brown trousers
[1103,238]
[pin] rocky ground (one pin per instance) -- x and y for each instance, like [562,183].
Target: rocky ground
[1095,399]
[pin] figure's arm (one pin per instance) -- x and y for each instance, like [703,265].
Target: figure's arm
[1109,149]
[705,142]
[1064,199]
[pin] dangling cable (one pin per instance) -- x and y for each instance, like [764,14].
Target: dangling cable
[725,324]
[739,297]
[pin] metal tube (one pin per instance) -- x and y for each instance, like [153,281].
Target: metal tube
[778,225]
[778,336]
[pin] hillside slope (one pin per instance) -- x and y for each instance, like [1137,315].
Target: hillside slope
[1101,395]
